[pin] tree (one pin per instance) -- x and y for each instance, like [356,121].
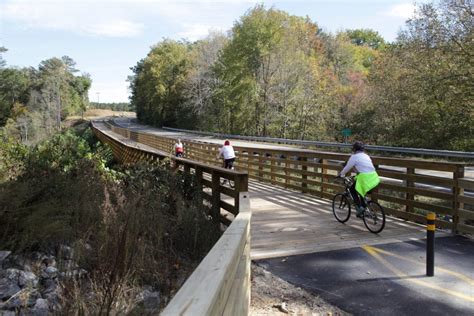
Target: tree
[158,84]
[366,37]
[201,80]
[58,92]
[422,86]
[14,88]
[2,61]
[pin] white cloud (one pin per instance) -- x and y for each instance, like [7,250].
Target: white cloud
[109,92]
[402,10]
[75,16]
[193,32]
[121,18]
[115,29]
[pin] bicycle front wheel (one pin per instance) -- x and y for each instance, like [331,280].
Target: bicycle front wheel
[374,217]
[341,207]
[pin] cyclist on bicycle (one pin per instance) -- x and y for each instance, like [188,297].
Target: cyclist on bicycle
[227,151]
[365,180]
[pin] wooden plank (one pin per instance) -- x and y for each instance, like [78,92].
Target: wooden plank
[463,228]
[466,199]
[465,214]
[228,207]
[239,297]
[418,191]
[207,290]
[467,184]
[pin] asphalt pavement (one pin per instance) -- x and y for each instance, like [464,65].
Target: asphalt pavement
[387,279]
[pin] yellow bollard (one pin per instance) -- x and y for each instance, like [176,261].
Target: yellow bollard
[430,234]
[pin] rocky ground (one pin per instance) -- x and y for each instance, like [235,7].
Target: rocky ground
[31,284]
[274,296]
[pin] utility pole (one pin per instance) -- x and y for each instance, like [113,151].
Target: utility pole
[98,99]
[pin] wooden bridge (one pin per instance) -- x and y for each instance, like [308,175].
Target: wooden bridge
[290,191]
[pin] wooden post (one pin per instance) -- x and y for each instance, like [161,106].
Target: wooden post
[216,197]
[410,197]
[457,191]
[376,189]
[287,169]
[323,172]
[272,169]
[304,168]
[248,162]
[260,168]
[199,178]
[241,185]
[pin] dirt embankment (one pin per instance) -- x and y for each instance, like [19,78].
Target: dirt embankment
[274,296]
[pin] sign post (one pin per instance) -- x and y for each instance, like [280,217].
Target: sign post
[346,132]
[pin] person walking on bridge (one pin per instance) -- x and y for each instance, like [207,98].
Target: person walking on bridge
[366,179]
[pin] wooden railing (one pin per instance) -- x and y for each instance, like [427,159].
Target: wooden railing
[465,220]
[224,201]
[410,188]
[318,144]
[220,285]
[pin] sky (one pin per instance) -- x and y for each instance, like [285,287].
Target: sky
[107,37]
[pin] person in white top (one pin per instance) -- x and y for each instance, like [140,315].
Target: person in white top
[227,152]
[367,178]
[178,148]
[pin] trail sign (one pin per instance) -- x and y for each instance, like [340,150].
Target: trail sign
[346,132]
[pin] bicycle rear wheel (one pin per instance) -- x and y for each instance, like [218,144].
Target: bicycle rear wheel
[374,217]
[341,207]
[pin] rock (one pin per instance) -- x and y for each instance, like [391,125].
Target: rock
[4,255]
[15,261]
[7,313]
[282,307]
[49,273]
[49,286]
[22,278]
[150,299]
[41,308]
[13,303]
[8,288]
[49,261]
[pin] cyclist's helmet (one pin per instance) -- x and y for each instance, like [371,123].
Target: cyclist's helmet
[358,146]
[226,143]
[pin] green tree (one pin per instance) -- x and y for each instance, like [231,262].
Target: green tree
[366,37]
[158,84]
[422,86]
[14,88]
[2,61]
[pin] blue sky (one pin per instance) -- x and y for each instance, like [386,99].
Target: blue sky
[107,37]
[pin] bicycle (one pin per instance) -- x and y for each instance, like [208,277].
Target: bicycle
[230,166]
[373,215]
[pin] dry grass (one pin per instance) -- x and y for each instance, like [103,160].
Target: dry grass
[101,113]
